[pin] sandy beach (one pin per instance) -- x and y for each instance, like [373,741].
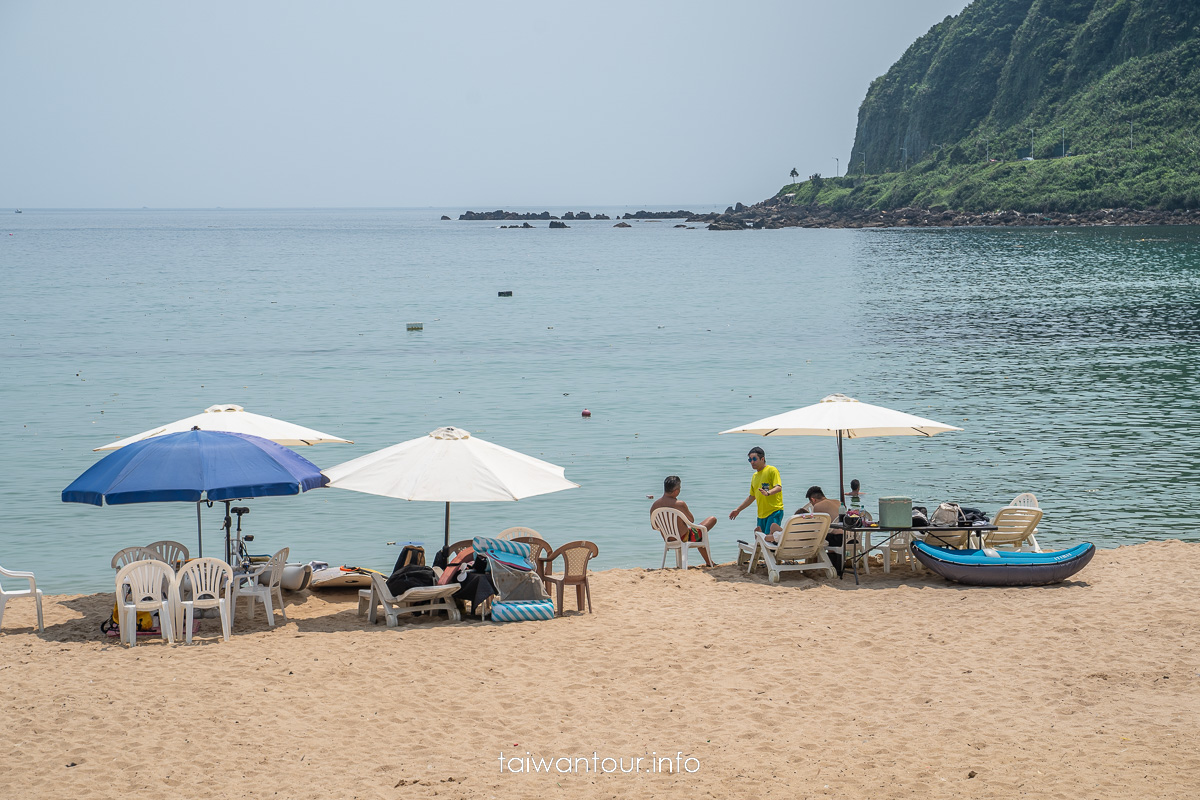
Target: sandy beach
[903,687]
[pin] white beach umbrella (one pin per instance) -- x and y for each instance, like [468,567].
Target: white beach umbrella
[235,419]
[449,465]
[842,416]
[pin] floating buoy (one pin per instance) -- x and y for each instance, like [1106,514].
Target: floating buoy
[504,294]
[586,413]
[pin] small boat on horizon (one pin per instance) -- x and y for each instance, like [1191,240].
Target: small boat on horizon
[18,211]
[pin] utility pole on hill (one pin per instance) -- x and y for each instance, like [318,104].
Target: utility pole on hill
[905,149]
[1064,130]
[1130,134]
[837,167]
[1031,144]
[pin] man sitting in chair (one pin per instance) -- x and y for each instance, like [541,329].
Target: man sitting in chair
[670,499]
[820,504]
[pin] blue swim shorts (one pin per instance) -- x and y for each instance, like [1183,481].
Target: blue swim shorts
[764,523]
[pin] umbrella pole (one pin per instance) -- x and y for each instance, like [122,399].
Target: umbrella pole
[446,545]
[841,473]
[845,533]
[228,527]
[199,531]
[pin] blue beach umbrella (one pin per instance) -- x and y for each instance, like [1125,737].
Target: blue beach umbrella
[193,467]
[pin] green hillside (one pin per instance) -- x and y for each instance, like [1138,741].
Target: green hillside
[1060,81]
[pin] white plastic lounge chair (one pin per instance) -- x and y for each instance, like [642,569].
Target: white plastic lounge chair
[947,538]
[146,586]
[414,601]
[515,533]
[801,546]
[666,521]
[1027,500]
[211,583]
[132,554]
[1024,500]
[170,552]
[264,590]
[1017,526]
[33,591]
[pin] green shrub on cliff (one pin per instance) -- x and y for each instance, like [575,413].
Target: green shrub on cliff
[1012,79]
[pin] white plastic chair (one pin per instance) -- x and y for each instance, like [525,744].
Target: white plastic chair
[515,533]
[1017,526]
[33,591]
[414,601]
[801,546]
[211,582]
[146,586]
[132,554]
[666,521]
[896,551]
[262,585]
[170,552]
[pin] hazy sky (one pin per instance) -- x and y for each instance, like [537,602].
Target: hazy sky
[457,104]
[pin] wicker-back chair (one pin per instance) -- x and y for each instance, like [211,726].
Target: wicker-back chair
[575,557]
[539,549]
[518,533]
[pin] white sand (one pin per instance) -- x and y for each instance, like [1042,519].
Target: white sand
[900,688]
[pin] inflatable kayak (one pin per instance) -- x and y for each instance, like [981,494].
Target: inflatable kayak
[342,578]
[976,568]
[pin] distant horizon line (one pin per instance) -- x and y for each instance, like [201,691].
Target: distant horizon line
[568,207]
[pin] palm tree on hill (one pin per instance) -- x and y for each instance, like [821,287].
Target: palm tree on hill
[794,175]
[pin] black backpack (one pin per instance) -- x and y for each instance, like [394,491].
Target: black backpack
[409,577]
[411,555]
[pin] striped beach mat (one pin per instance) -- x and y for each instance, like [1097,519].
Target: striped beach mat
[481,543]
[519,610]
[514,554]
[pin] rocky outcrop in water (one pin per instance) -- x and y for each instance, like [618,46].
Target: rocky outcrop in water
[774,213]
[556,224]
[500,215]
[659,215]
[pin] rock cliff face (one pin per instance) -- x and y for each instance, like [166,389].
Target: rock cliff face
[1040,106]
[1002,67]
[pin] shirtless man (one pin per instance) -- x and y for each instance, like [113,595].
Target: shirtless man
[670,499]
[821,504]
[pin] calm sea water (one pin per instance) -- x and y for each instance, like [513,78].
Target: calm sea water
[1069,357]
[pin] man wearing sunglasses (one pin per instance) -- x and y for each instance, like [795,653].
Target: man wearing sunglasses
[766,490]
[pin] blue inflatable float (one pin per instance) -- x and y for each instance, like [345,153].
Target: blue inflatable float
[975,568]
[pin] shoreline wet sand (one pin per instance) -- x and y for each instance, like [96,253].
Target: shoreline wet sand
[905,686]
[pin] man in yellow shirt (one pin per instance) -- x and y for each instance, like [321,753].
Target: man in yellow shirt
[766,489]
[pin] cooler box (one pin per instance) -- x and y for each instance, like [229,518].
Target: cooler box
[895,512]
